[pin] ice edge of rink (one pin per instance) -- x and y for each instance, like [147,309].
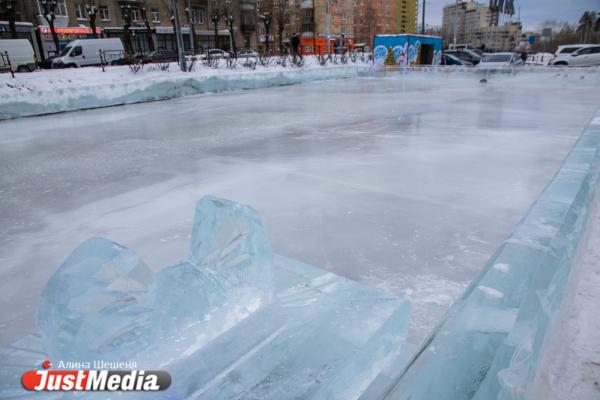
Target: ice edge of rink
[491,342]
[29,102]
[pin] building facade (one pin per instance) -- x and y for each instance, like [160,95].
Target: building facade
[149,22]
[469,22]
[377,17]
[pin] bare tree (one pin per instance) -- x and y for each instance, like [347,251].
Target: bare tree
[282,10]
[8,8]
[92,11]
[49,13]
[586,25]
[127,19]
[148,28]
[266,18]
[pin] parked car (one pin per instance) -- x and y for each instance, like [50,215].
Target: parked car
[215,53]
[449,59]
[567,49]
[469,47]
[83,52]
[160,56]
[465,55]
[539,59]
[20,53]
[247,54]
[500,60]
[586,55]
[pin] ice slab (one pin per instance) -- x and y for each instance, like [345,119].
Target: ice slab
[230,321]
[489,345]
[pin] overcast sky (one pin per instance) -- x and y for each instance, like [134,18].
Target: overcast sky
[533,12]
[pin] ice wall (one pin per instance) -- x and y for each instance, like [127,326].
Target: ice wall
[107,90]
[489,345]
[230,321]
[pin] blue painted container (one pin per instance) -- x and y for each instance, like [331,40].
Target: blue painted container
[408,49]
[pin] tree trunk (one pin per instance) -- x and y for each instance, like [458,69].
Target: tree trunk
[54,35]
[127,36]
[12,18]
[93,25]
[149,35]
[216,35]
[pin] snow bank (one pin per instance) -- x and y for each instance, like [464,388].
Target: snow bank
[52,91]
[488,347]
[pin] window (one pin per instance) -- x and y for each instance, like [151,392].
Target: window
[59,11]
[583,51]
[104,15]
[596,50]
[197,16]
[135,14]
[80,11]
[155,15]
[76,51]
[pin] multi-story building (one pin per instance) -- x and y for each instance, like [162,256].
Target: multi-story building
[405,16]
[149,22]
[469,22]
[376,17]
[373,17]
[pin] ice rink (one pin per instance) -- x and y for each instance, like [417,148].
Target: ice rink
[406,183]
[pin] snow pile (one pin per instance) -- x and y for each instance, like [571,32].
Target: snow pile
[53,91]
[489,346]
[230,321]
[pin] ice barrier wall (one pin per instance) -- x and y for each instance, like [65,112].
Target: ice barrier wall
[109,93]
[489,345]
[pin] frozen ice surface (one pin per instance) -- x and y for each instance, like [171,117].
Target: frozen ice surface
[428,171]
[226,323]
[490,344]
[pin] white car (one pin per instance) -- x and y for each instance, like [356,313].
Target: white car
[83,52]
[247,54]
[586,55]
[496,60]
[215,53]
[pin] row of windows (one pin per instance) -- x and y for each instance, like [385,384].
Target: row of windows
[198,15]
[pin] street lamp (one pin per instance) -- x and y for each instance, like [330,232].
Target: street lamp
[215,20]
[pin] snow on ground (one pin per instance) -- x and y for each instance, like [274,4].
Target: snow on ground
[57,90]
[406,183]
[570,366]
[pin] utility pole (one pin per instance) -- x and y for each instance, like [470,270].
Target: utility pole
[456,22]
[178,36]
[190,20]
[328,26]
[423,19]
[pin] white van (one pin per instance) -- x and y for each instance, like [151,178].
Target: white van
[82,52]
[20,53]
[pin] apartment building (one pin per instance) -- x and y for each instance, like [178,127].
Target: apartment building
[474,23]
[150,22]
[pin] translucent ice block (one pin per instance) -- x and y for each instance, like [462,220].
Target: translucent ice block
[227,322]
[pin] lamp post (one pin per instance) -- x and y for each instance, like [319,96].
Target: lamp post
[178,36]
[229,18]
[188,11]
[215,20]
